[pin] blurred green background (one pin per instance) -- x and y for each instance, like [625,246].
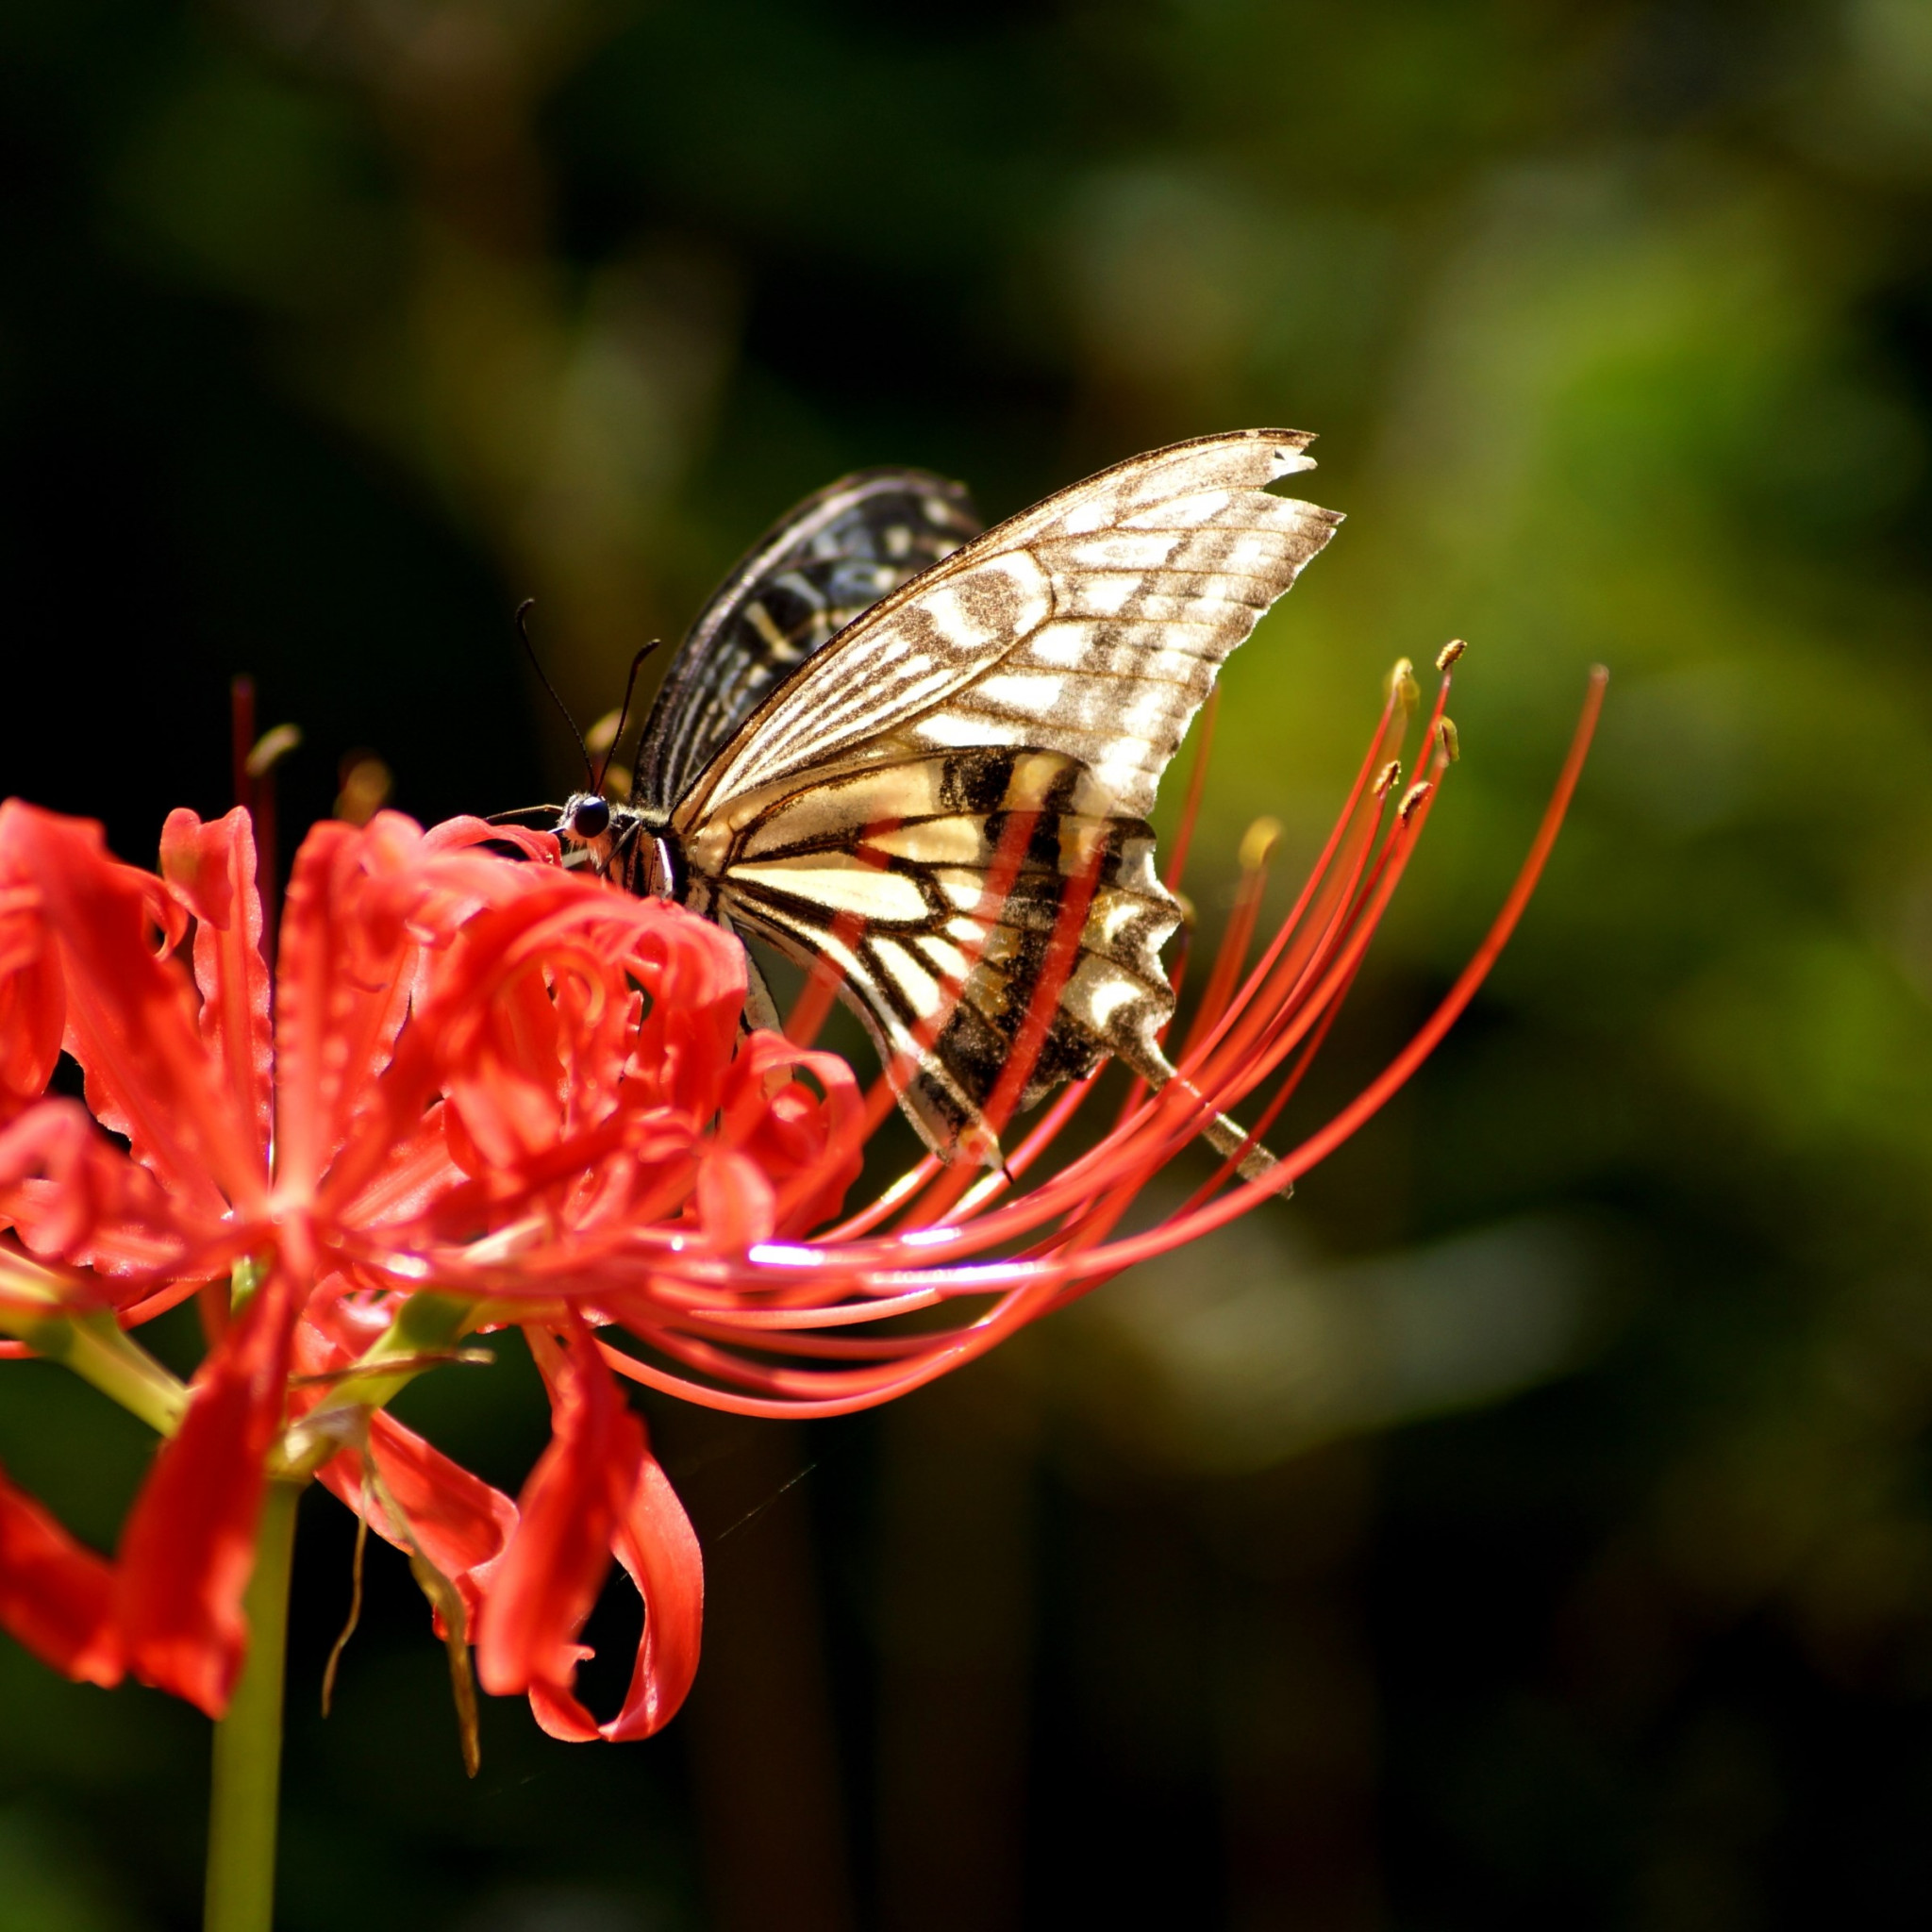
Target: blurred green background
[1527,1526]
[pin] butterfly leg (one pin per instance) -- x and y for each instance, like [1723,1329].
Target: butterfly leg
[761,1009]
[761,1012]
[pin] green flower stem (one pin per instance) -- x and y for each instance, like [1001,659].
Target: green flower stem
[248,1741]
[421,1337]
[98,1350]
[425,1329]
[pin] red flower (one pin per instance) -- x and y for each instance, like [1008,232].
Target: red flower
[490,1092]
[467,1056]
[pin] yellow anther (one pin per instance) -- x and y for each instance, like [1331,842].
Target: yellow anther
[1402,684]
[271,748]
[1413,798]
[1258,841]
[366,786]
[603,734]
[1449,653]
[1388,778]
[1452,743]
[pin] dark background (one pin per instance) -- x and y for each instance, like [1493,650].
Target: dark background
[1528,1525]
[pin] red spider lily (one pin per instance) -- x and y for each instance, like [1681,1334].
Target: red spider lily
[489,1093]
[466,1055]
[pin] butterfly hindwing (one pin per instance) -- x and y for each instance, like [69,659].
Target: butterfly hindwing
[816,569]
[944,892]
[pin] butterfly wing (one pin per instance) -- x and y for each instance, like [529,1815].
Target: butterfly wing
[820,566]
[948,802]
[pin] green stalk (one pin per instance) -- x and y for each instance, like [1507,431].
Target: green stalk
[97,1350]
[246,1783]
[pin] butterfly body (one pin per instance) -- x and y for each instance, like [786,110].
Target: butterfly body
[942,797]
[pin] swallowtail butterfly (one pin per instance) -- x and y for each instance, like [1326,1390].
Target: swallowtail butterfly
[909,749]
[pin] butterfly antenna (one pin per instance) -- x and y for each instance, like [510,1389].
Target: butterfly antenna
[630,684]
[523,610]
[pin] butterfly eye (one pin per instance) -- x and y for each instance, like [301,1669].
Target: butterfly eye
[591,819]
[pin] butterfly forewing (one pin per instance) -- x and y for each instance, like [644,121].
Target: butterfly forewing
[802,582]
[1092,624]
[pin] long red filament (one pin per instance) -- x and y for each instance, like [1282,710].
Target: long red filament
[1197,787]
[1281,1013]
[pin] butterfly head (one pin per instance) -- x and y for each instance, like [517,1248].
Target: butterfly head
[622,843]
[598,836]
[586,823]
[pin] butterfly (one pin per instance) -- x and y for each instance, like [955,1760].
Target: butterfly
[923,755]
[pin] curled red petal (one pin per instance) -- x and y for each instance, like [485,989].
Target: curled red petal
[460,1522]
[509,1089]
[130,1015]
[195,863]
[56,1596]
[695,976]
[188,1545]
[465,833]
[465,1039]
[57,1145]
[33,1013]
[735,1202]
[659,1549]
[569,1515]
[73,1195]
[790,1131]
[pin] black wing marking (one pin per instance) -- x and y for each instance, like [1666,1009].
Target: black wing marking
[820,566]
